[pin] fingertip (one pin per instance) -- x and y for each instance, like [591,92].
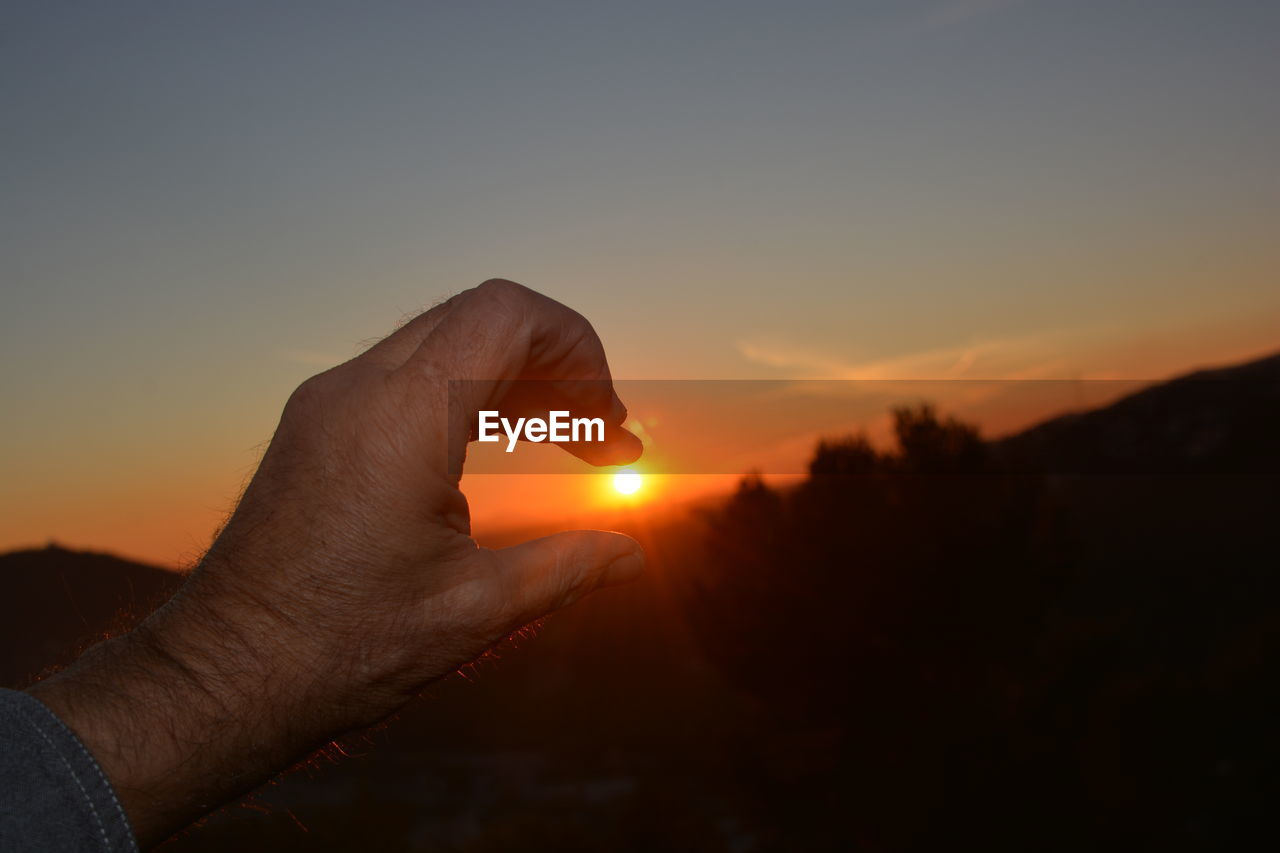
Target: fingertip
[605,546]
[627,447]
[621,555]
[620,447]
[626,568]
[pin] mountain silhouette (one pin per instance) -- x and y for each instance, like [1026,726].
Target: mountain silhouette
[57,601]
[1223,421]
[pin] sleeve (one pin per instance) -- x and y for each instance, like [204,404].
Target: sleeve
[53,795]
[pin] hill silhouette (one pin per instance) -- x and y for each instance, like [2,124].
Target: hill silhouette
[57,601]
[1059,639]
[1222,421]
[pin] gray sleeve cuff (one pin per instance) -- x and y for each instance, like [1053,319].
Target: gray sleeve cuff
[53,795]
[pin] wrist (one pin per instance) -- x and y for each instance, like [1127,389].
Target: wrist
[188,710]
[247,662]
[140,714]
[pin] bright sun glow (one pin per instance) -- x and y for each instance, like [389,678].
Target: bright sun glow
[626,482]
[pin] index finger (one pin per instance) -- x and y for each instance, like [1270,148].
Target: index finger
[505,344]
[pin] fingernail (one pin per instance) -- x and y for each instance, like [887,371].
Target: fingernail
[624,568]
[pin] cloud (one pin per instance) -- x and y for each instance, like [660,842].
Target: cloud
[1032,357]
[786,357]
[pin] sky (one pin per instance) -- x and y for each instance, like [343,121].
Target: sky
[202,204]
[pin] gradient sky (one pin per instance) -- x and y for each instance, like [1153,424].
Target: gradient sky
[205,203]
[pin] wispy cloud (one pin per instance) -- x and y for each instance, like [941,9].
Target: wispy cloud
[1031,357]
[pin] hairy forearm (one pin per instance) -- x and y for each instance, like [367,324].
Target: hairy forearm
[186,712]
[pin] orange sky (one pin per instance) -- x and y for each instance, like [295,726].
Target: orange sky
[166,511]
[205,204]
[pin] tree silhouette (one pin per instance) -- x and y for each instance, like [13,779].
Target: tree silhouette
[959,637]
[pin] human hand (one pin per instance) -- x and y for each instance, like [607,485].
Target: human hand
[347,579]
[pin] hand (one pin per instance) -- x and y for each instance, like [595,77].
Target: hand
[347,579]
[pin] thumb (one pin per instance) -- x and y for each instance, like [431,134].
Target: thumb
[547,574]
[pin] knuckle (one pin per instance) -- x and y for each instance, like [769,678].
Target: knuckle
[487,604]
[505,297]
[480,604]
[309,394]
[570,584]
[502,304]
[502,288]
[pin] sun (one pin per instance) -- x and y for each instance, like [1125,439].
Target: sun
[627,482]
